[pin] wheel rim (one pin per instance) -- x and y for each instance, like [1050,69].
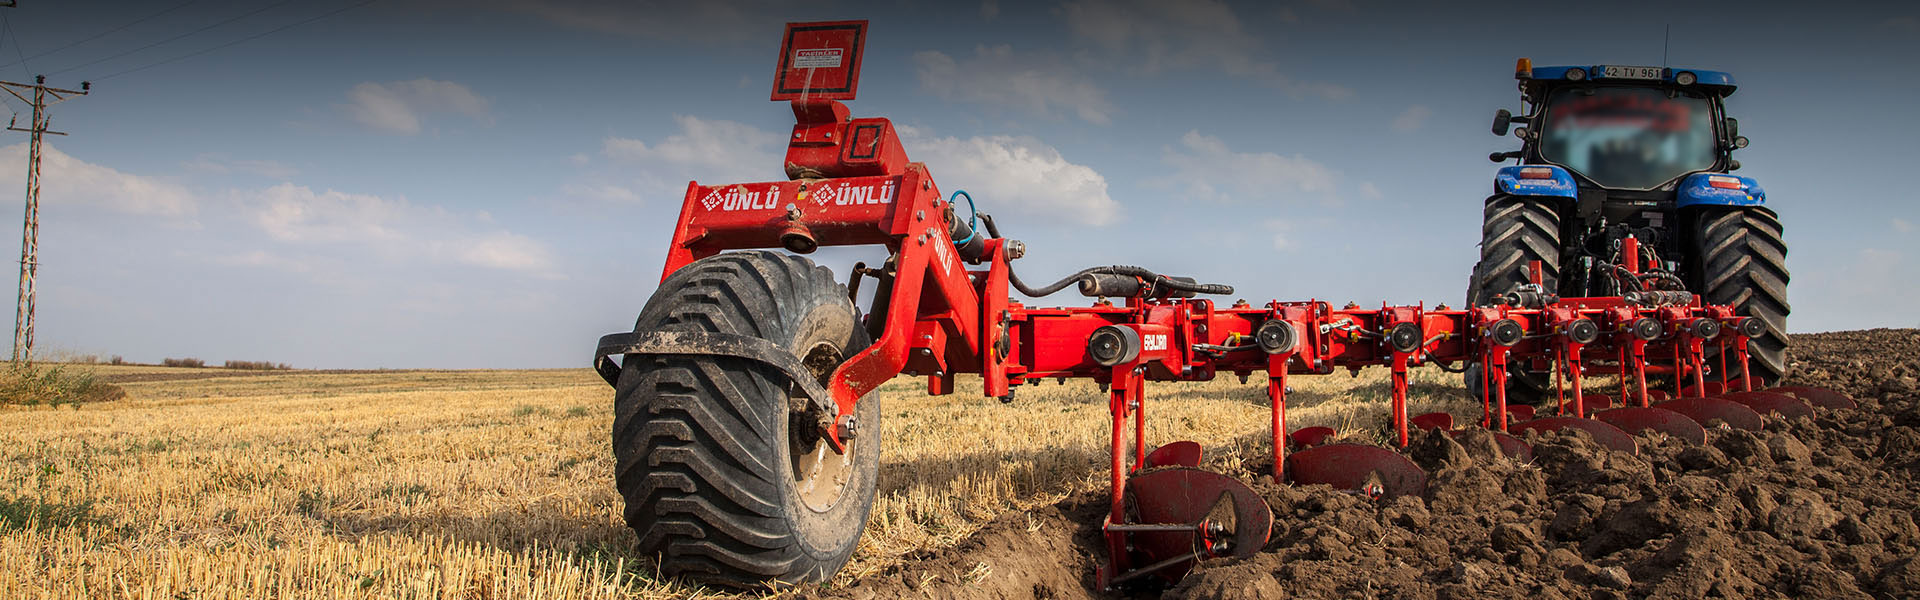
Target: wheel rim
[820,475]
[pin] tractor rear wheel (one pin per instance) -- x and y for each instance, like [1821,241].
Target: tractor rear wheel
[726,477]
[1741,260]
[1514,233]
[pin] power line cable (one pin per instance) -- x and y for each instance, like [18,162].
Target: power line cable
[177,37]
[238,41]
[16,45]
[107,32]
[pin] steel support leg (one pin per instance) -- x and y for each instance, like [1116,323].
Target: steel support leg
[1400,396]
[1119,394]
[1277,395]
[1640,372]
[1572,353]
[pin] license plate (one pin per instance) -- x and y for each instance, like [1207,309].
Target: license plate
[1618,72]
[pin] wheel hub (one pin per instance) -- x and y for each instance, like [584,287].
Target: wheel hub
[820,474]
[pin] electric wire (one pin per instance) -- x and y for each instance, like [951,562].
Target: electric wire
[104,33]
[177,37]
[8,21]
[238,41]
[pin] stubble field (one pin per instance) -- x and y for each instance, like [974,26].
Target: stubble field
[208,483]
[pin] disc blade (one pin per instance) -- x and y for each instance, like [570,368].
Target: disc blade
[1186,496]
[1709,387]
[1308,437]
[1603,434]
[1821,397]
[1596,402]
[1440,421]
[1354,466]
[1183,453]
[1705,410]
[1519,412]
[1634,419]
[1765,402]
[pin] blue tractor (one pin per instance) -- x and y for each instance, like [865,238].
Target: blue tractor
[1611,151]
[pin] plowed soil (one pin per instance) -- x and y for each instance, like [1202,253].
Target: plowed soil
[1820,507]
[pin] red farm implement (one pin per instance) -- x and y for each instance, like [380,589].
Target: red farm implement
[739,427]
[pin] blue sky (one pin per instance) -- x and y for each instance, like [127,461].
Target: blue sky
[490,183]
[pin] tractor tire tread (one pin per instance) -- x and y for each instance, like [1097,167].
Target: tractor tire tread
[694,437]
[1515,232]
[1743,258]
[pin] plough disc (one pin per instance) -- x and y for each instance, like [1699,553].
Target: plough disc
[1706,388]
[1603,434]
[1440,421]
[1372,470]
[1184,453]
[1705,410]
[1634,419]
[1596,402]
[1519,412]
[1188,496]
[1515,448]
[1308,437]
[1821,397]
[1765,402]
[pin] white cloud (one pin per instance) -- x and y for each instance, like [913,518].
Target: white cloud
[706,150]
[1412,119]
[68,180]
[989,9]
[1902,225]
[394,229]
[400,106]
[1164,35]
[221,164]
[1204,168]
[261,259]
[602,192]
[1016,175]
[499,250]
[1281,232]
[996,75]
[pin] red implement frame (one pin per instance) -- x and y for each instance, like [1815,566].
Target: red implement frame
[851,184]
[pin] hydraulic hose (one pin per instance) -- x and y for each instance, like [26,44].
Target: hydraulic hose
[1158,280]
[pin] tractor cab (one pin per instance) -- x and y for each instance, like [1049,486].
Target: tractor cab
[1634,134]
[1628,147]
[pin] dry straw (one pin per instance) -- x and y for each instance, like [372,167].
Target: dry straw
[498,484]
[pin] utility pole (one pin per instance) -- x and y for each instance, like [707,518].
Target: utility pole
[30,236]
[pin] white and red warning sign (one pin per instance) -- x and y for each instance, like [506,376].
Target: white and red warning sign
[820,61]
[818,58]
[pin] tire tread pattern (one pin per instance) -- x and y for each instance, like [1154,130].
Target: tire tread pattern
[695,437]
[1515,232]
[1743,258]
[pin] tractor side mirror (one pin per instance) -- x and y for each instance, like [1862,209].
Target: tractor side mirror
[1733,127]
[1501,119]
